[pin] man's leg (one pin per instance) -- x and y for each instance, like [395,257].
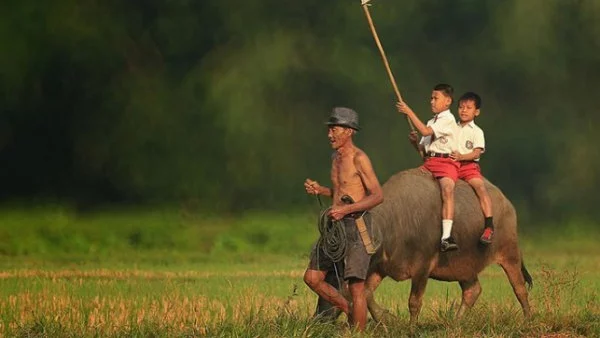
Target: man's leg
[486,206]
[315,279]
[359,303]
[447,187]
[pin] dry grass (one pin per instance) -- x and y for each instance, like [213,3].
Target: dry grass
[104,302]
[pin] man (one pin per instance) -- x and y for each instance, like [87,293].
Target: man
[351,174]
[437,144]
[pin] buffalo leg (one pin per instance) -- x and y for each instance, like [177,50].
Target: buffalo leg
[470,292]
[512,268]
[325,310]
[378,313]
[415,301]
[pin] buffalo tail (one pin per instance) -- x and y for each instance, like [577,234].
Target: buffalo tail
[527,276]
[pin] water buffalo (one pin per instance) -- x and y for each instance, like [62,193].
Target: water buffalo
[409,225]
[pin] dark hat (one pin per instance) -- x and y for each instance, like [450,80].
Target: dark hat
[344,117]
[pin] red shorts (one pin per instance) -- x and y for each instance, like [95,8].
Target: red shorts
[469,170]
[442,167]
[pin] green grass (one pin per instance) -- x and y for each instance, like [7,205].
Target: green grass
[59,230]
[190,275]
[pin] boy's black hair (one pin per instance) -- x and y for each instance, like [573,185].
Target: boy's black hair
[471,96]
[446,89]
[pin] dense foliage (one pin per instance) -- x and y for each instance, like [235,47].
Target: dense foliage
[220,103]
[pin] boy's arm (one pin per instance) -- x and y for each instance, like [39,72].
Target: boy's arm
[414,140]
[475,154]
[421,127]
[478,148]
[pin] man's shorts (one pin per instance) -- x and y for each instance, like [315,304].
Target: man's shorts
[442,167]
[469,170]
[356,262]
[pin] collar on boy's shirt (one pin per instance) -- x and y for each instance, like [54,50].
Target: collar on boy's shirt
[470,124]
[442,114]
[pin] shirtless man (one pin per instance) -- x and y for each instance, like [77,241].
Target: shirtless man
[351,174]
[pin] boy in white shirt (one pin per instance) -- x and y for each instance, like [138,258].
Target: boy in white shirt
[471,144]
[438,142]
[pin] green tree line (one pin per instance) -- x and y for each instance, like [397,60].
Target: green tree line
[222,103]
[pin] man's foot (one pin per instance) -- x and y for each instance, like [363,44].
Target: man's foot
[486,238]
[448,244]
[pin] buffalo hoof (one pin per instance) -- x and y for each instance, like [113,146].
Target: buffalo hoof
[327,316]
[326,312]
[384,317]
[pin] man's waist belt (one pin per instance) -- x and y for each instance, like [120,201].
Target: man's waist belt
[434,154]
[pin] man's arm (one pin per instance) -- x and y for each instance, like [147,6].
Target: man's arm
[374,192]
[421,127]
[314,188]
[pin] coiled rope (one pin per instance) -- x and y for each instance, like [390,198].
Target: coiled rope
[332,240]
[333,237]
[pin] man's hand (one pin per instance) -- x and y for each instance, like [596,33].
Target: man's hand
[413,137]
[312,187]
[337,212]
[403,108]
[455,155]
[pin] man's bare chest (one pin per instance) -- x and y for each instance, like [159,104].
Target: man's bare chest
[344,171]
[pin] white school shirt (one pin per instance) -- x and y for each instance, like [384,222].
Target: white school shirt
[470,137]
[445,132]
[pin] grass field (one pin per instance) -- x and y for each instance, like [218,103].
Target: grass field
[259,293]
